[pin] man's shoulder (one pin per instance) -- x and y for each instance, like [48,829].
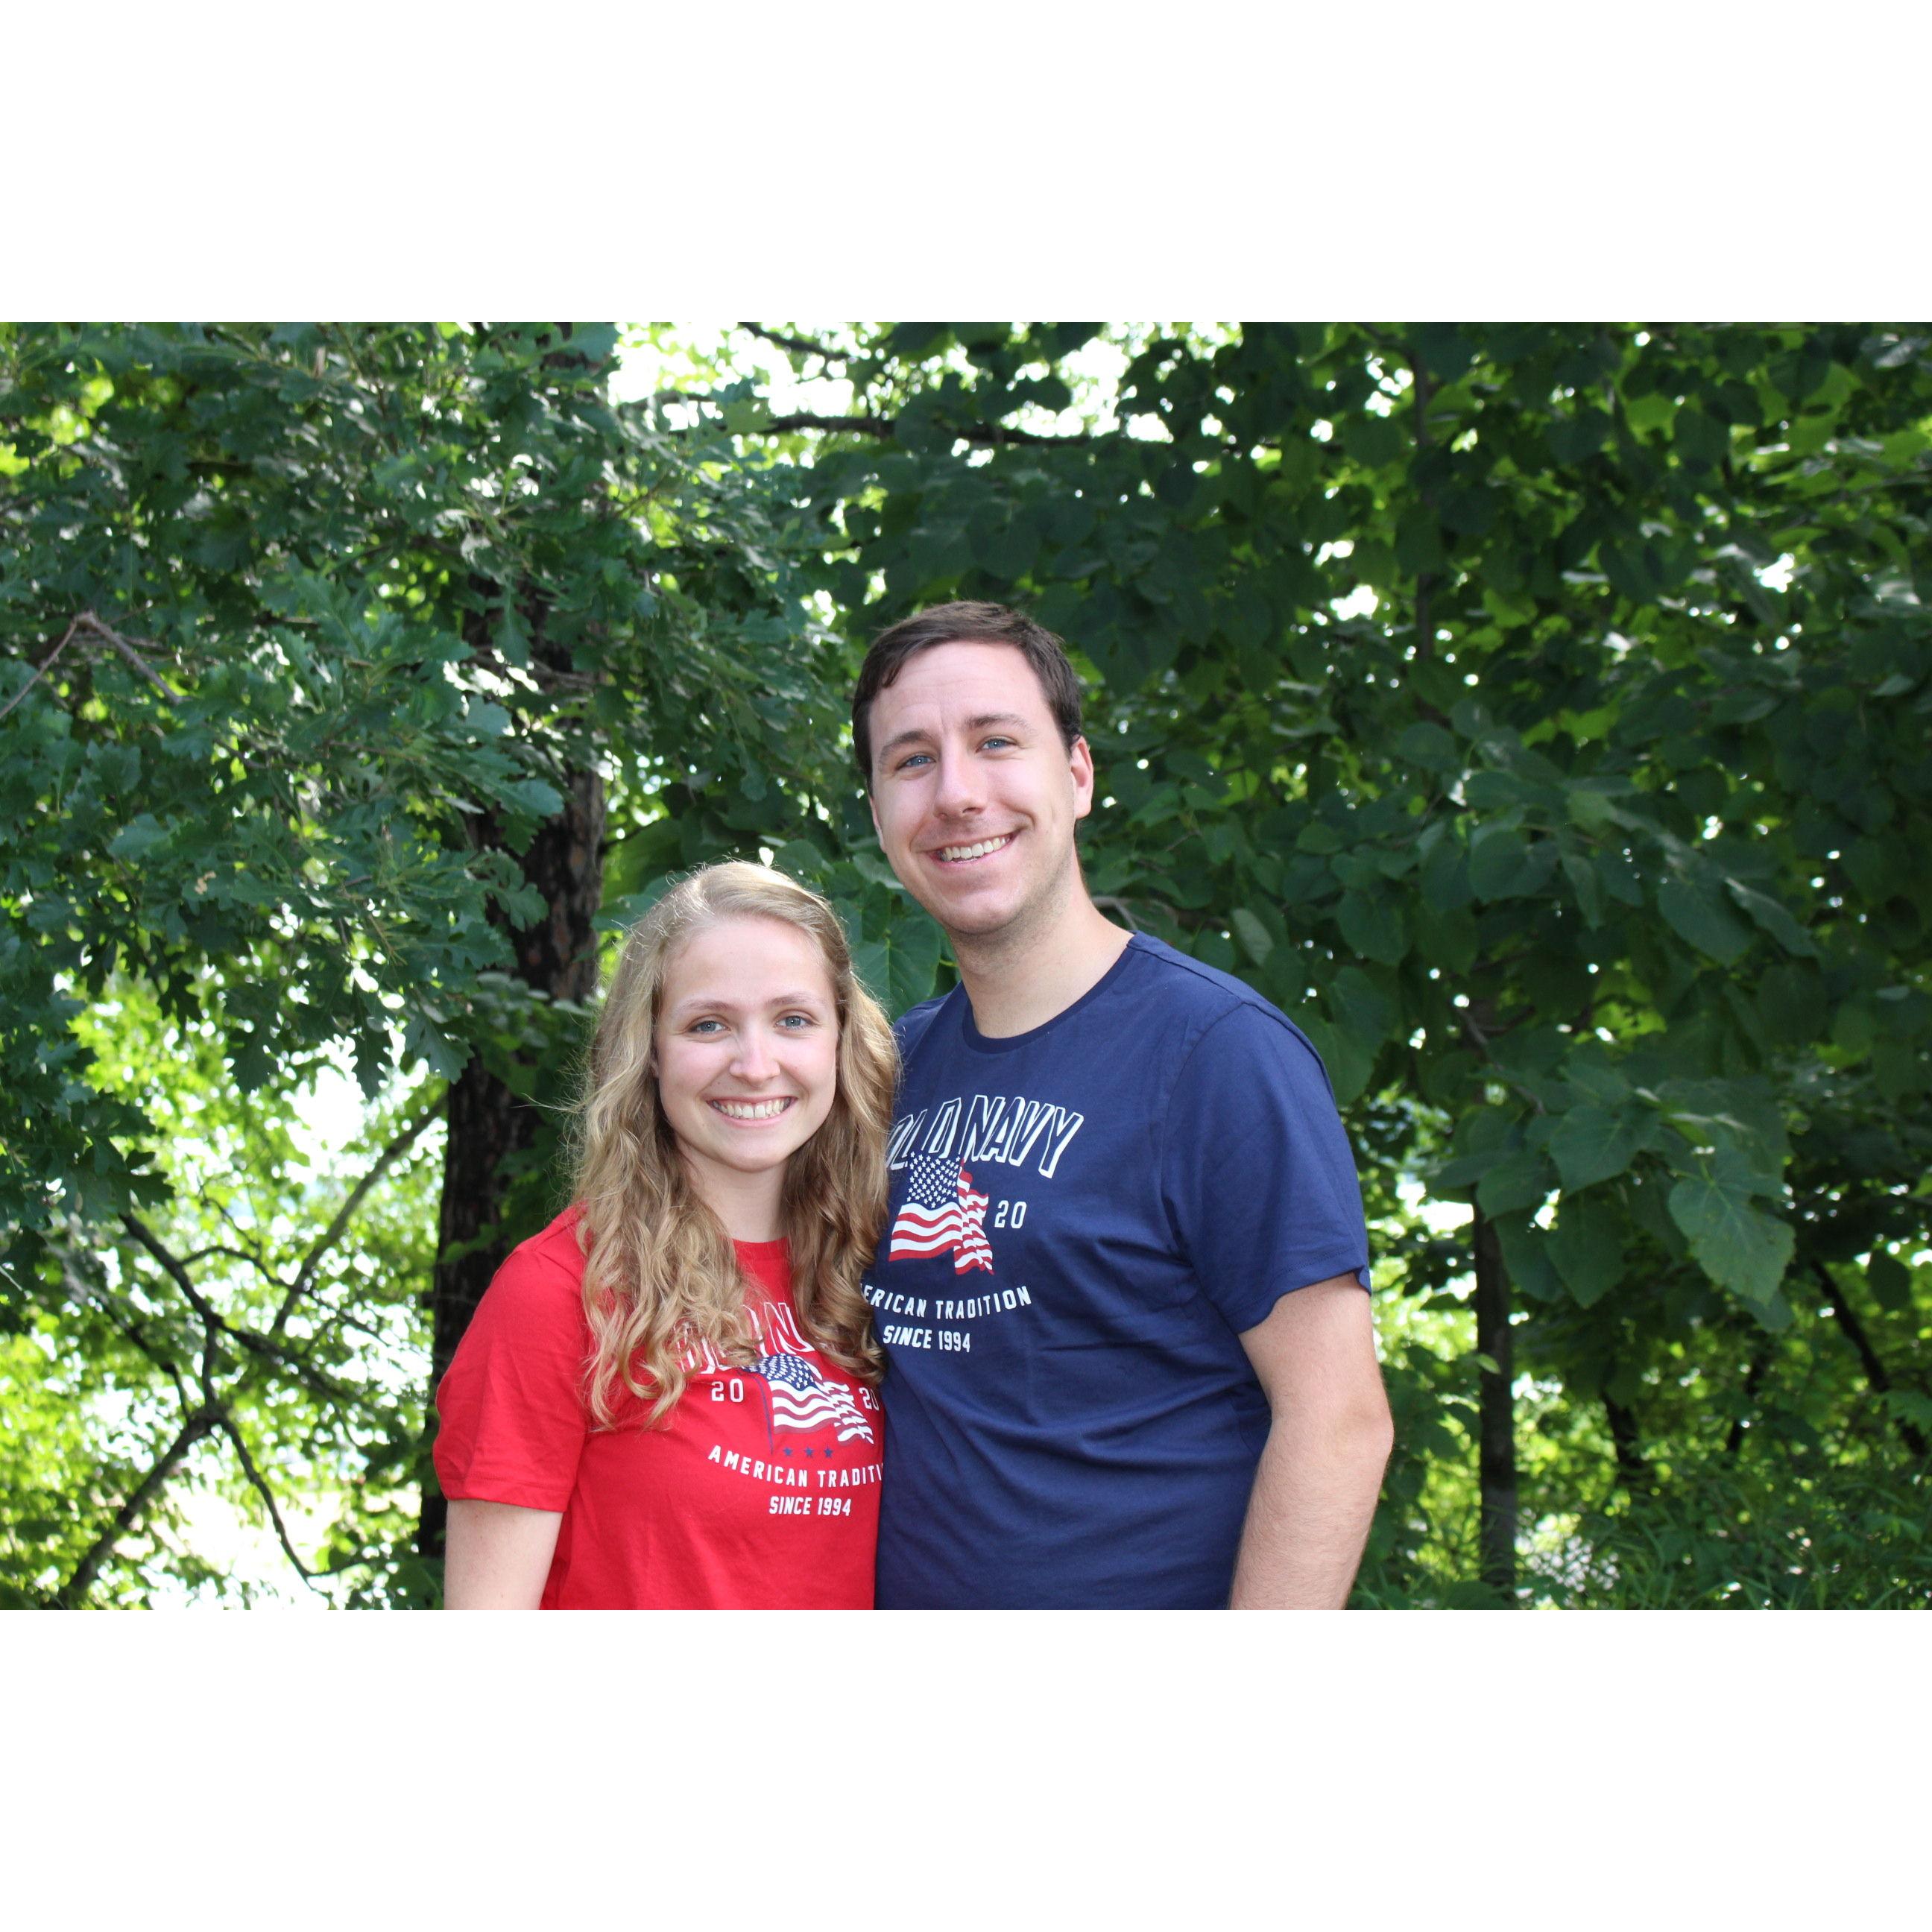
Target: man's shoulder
[1193,988]
[911,1026]
[1200,1003]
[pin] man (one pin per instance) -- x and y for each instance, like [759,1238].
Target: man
[1121,1286]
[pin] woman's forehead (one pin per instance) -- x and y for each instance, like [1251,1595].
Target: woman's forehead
[749,959]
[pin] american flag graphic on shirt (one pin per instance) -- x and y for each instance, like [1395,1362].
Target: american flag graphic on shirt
[801,1398]
[943,1213]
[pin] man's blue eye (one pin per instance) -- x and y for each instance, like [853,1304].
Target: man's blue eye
[917,758]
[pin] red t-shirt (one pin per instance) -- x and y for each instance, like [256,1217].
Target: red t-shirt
[759,1491]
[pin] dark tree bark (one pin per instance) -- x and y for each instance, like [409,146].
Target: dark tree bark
[1496,1422]
[1754,1375]
[489,1125]
[1632,1470]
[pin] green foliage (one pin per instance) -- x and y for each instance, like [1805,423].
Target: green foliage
[1723,1539]
[1539,715]
[305,634]
[271,1304]
[1536,713]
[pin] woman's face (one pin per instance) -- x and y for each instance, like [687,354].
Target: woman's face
[747,1050]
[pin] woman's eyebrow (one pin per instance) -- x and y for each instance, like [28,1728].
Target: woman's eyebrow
[705,1002]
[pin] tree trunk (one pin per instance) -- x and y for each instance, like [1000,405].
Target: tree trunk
[1754,1374]
[488,1124]
[1496,1428]
[1633,1471]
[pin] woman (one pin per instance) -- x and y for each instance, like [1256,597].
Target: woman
[665,1400]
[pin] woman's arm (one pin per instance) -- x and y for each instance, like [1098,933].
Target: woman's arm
[497,1555]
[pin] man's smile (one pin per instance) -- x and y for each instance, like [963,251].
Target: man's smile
[963,855]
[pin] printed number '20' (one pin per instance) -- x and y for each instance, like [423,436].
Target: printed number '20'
[1009,1214]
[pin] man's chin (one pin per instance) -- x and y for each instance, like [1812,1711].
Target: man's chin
[966,915]
[984,925]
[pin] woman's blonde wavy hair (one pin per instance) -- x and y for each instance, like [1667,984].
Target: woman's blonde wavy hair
[660,1275]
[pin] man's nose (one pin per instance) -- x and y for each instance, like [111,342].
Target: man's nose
[959,791]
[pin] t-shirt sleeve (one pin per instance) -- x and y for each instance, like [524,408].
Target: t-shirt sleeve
[511,1409]
[1256,1172]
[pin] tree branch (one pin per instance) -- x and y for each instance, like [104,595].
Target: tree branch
[985,434]
[234,1254]
[88,1294]
[796,345]
[305,1274]
[45,664]
[1847,1319]
[74,1590]
[258,1345]
[88,625]
[127,651]
[211,1322]
[259,1484]
[1425,580]
[1471,1017]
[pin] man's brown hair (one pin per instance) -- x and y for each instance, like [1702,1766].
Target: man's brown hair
[964,623]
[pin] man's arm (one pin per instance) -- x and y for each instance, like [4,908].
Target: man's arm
[1321,1470]
[496,1555]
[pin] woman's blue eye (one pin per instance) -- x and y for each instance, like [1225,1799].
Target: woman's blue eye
[701,1026]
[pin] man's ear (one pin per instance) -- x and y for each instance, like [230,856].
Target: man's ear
[872,806]
[1080,762]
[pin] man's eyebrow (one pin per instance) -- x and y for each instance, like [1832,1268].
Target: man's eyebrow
[902,738]
[918,734]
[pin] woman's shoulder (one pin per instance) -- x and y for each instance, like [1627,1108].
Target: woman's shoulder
[548,1266]
[533,1307]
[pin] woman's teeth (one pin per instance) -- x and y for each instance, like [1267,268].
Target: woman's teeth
[751,1110]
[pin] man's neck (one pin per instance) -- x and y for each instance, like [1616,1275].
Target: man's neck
[1016,981]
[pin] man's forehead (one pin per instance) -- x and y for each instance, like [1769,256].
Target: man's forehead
[995,670]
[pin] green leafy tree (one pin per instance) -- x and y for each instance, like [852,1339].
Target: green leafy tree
[1539,715]
[1536,713]
[341,667]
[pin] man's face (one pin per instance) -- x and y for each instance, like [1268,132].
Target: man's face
[974,795]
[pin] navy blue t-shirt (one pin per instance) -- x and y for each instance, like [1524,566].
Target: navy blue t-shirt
[1084,1219]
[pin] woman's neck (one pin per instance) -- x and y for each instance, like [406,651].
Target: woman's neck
[751,1206]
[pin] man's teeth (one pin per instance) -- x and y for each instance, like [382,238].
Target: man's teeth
[953,852]
[751,1110]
